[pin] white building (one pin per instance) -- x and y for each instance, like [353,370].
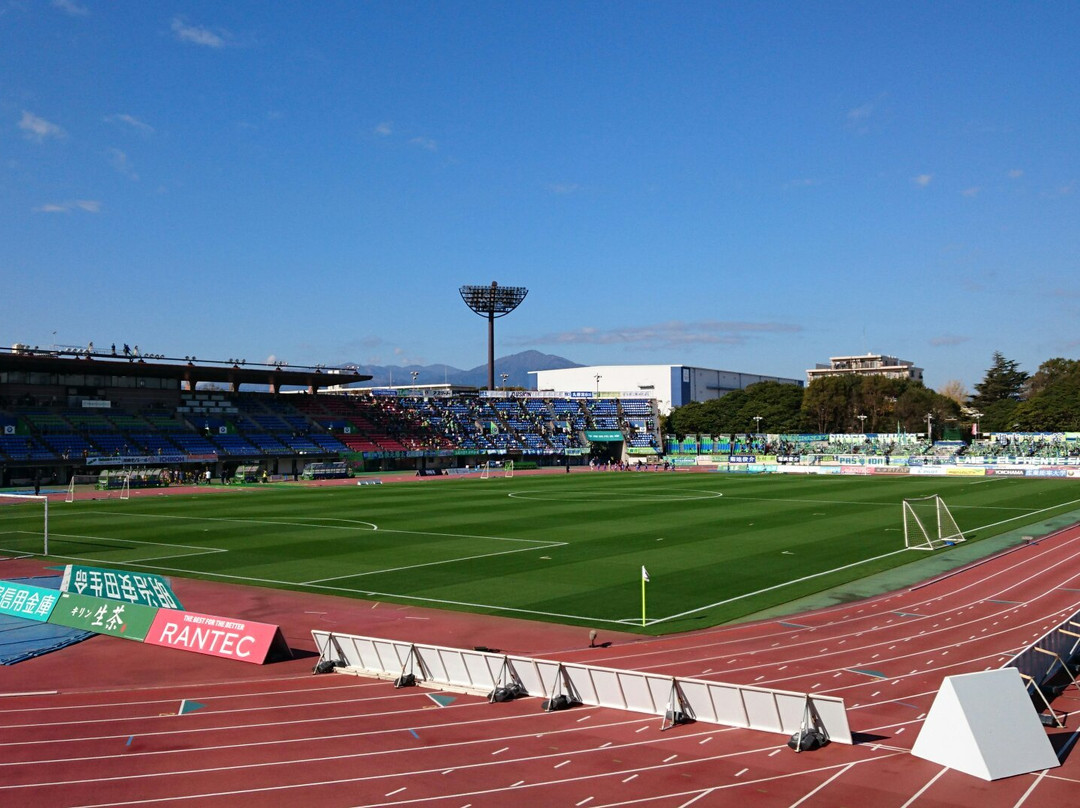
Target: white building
[671,385]
[866,365]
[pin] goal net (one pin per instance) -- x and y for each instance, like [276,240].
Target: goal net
[24,524]
[928,524]
[492,469]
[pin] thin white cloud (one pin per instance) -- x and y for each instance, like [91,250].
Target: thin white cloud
[425,143]
[197,35]
[38,129]
[672,334]
[922,180]
[131,121]
[563,188]
[71,7]
[384,129]
[1015,174]
[972,191]
[119,160]
[866,117]
[85,205]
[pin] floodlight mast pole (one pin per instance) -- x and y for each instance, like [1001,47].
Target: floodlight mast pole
[491,302]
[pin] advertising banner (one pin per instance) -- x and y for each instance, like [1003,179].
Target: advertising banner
[603,435]
[225,637]
[144,588]
[24,600]
[116,618]
[138,460]
[928,471]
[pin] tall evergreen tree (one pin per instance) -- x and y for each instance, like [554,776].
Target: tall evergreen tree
[1004,381]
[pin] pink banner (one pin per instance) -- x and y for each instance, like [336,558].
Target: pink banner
[226,637]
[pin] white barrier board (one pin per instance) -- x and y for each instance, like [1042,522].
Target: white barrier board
[778,711]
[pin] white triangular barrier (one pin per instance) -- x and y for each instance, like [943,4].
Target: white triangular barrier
[985,725]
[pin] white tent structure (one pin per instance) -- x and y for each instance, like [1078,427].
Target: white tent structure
[985,725]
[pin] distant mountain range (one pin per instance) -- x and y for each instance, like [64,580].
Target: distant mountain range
[516,367]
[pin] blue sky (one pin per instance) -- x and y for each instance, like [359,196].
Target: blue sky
[749,186]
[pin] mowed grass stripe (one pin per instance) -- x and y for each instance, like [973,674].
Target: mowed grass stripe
[705,538]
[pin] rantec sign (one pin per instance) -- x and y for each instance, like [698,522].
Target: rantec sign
[243,640]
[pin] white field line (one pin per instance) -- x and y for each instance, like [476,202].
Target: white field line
[195,550]
[868,502]
[352,525]
[532,612]
[775,587]
[592,497]
[1024,515]
[78,536]
[433,563]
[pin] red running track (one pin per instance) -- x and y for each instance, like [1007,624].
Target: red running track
[110,733]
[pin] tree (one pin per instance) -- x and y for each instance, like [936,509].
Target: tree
[918,401]
[956,390]
[1049,373]
[778,404]
[1004,381]
[877,401]
[827,403]
[1053,399]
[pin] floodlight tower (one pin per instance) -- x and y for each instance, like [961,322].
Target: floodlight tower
[491,302]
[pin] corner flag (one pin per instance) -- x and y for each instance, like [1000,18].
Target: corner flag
[644,580]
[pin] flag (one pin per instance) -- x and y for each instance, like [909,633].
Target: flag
[644,580]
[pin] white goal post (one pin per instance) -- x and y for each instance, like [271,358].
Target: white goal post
[929,525]
[489,469]
[17,500]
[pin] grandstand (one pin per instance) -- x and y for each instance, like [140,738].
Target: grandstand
[67,416]
[72,414]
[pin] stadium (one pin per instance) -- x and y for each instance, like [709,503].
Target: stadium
[513,595]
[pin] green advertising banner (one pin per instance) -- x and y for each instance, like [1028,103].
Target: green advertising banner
[24,600]
[603,435]
[116,618]
[142,588]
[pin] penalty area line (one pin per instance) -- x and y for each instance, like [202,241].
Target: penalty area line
[745,595]
[432,563]
[657,620]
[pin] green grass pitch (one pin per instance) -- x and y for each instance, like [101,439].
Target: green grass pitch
[562,548]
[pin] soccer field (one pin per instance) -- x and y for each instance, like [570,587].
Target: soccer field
[562,548]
